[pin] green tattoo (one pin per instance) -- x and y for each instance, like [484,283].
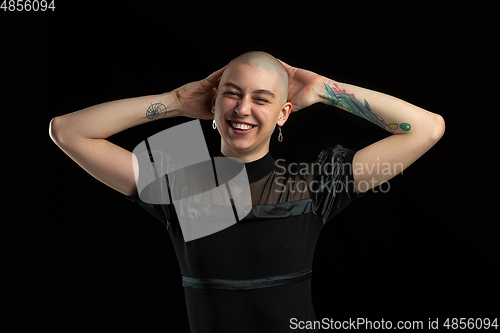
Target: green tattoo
[339,98]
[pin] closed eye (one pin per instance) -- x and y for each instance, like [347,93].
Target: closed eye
[230,93]
[262,100]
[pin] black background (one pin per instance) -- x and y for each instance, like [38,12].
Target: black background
[427,248]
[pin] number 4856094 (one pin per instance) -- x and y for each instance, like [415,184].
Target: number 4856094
[27,5]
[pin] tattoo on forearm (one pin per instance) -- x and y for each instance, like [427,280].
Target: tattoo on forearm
[155,110]
[340,98]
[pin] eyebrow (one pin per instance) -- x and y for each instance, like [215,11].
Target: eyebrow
[258,91]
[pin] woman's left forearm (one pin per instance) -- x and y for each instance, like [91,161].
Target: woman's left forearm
[388,112]
[415,130]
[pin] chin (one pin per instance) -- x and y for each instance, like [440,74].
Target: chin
[242,145]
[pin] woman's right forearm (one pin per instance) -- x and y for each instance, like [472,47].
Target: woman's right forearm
[82,134]
[103,120]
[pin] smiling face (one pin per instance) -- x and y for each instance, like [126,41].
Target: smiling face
[248,104]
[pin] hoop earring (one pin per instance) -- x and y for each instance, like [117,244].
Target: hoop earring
[280,135]
[214,125]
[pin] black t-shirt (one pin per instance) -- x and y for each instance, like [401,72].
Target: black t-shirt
[272,247]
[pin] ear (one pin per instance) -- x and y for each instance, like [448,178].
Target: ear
[284,113]
[214,97]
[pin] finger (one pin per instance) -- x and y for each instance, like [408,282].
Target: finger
[287,66]
[212,78]
[289,69]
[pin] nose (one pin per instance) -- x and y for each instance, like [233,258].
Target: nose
[244,107]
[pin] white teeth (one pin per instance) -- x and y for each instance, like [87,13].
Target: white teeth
[241,126]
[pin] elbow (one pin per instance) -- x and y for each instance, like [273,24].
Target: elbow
[56,130]
[438,128]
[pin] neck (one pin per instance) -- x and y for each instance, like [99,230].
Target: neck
[245,155]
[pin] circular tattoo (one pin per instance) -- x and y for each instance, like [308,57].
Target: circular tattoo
[155,109]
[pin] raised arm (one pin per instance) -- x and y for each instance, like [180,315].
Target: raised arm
[414,130]
[82,134]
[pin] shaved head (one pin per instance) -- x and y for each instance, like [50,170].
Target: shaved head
[263,60]
[249,103]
